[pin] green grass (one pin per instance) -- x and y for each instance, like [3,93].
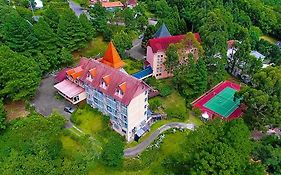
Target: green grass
[95,47]
[149,162]
[269,39]
[132,66]
[172,102]
[70,145]
[93,123]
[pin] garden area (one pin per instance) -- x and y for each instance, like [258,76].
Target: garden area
[132,66]
[150,161]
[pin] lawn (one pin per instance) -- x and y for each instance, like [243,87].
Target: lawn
[149,162]
[269,39]
[132,66]
[95,47]
[69,145]
[93,123]
[170,103]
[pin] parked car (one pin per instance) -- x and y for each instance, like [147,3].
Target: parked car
[69,109]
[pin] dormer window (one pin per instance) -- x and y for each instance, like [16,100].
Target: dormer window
[89,77]
[105,81]
[103,85]
[121,89]
[119,93]
[91,74]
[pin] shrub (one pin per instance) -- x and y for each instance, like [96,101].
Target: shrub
[164,90]
[196,112]
[113,152]
[154,104]
[74,117]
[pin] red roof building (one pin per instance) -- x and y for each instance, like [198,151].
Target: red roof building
[114,79]
[156,53]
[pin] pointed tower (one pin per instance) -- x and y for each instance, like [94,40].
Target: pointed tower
[112,58]
[162,32]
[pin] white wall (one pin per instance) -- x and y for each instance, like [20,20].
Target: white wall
[136,112]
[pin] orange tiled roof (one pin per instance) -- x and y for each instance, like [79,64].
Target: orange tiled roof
[69,72]
[123,87]
[106,79]
[112,4]
[75,72]
[112,58]
[93,72]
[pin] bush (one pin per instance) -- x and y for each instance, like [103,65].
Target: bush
[154,104]
[113,152]
[164,90]
[197,112]
[74,117]
[2,116]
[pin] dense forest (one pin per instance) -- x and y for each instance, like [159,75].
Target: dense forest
[31,48]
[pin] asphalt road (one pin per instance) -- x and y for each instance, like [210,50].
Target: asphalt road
[78,10]
[45,101]
[137,52]
[131,152]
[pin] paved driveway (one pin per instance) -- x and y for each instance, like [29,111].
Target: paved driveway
[45,101]
[137,52]
[134,151]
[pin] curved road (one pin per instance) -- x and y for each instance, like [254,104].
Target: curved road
[134,151]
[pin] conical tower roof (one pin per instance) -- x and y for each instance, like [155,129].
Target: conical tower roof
[112,58]
[162,32]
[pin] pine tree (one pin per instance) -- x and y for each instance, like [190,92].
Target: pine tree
[46,37]
[71,34]
[18,34]
[87,26]
[42,62]
[19,75]
[65,56]
[52,17]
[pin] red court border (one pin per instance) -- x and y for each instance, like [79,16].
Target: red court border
[199,102]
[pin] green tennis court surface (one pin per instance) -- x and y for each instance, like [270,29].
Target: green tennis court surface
[222,103]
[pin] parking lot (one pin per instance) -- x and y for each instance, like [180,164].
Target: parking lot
[46,101]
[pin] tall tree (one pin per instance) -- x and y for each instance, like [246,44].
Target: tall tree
[52,17]
[225,149]
[148,34]
[2,116]
[99,17]
[71,34]
[46,37]
[88,26]
[18,34]
[122,41]
[19,76]
[191,78]
[263,100]
[172,58]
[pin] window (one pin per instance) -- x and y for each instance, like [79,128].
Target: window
[124,117]
[75,99]
[145,99]
[145,106]
[103,85]
[119,93]
[109,108]
[145,113]
[145,92]
[123,131]
[96,100]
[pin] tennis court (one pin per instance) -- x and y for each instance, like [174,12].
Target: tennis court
[223,103]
